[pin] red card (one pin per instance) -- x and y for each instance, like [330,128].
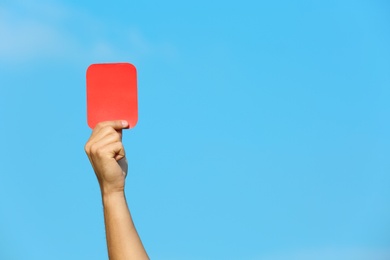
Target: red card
[112,93]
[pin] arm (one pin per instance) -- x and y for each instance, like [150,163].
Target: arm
[104,149]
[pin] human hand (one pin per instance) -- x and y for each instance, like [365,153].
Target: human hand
[107,155]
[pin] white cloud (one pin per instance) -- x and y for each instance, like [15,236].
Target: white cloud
[332,254]
[31,32]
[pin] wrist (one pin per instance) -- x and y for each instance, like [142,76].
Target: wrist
[109,196]
[109,188]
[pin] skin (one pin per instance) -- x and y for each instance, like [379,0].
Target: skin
[104,149]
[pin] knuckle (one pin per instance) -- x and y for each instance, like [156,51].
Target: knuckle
[93,149]
[86,148]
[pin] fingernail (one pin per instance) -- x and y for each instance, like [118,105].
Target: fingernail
[124,123]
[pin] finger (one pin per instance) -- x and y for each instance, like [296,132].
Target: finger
[113,150]
[117,125]
[104,132]
[103,129]
[108,139]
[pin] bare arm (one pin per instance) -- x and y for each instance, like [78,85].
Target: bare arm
[104,149]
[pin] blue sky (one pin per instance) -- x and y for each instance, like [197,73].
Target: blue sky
[263,128]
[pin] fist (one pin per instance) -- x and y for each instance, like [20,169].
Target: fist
[107,155]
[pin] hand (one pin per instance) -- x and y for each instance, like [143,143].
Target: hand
[104,149]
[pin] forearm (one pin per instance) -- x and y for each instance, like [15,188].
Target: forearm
[123,242]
